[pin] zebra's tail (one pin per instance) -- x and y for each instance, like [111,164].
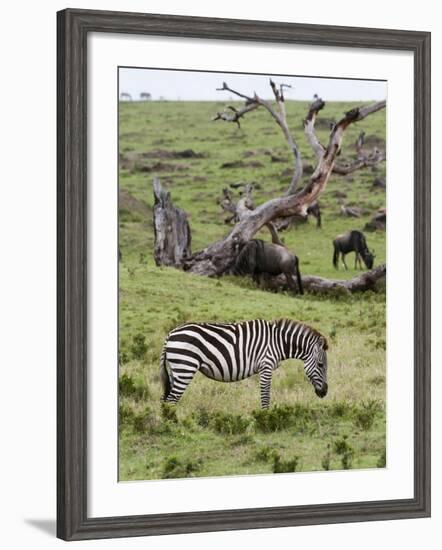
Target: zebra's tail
[164,375]
[298,278]
[335,256]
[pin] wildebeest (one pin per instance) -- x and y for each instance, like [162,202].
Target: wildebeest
[257,257]
[353,241]
[315,211]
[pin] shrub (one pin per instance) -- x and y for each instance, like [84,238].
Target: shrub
[125,415]
[339,409]
[138,347]
[365,415]
[275,419]
[229,424]
[382,460]
[343,448]
[168,412]
[126,385]
[175,468]
[326,459]
[265,454]
[128,388]
[201,417]
[280,466]
[142,421]
[123,357]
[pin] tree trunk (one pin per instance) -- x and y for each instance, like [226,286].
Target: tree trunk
[172,231]
[365,281]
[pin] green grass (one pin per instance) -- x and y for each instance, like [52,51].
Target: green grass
[217,429]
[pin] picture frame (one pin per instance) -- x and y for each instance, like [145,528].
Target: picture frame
[73,28]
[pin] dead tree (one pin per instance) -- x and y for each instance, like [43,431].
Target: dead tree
[217,258]
[368,280]
[240,210]
[278,113]
[171,228]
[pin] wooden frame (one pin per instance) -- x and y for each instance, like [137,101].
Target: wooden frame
[73,28]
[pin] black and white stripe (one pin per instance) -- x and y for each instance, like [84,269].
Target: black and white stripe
[228,352]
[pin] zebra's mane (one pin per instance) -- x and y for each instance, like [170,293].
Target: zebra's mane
[284,322]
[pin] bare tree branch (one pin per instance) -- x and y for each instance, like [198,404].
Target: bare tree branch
[366,162]
[278,115]
[236,114]
[363,160]
[309,127]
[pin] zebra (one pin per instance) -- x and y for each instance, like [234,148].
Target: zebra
[228,352]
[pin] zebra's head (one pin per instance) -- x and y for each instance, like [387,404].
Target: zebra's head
[315,367]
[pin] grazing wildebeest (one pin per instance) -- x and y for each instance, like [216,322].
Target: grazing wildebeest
[145,96]
[125,96]
[353,241]
[315,211]
[256,257]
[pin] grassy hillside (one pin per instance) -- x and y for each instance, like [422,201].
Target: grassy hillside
[217,428]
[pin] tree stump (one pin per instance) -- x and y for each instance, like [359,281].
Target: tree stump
[172,230]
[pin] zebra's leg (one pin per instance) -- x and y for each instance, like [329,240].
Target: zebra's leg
[181,377]
[265,380]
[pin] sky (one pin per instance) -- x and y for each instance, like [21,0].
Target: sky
[200,86]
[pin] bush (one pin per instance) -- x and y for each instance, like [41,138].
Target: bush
[274,419]
[128,388]
[365,415]
[326,459]
[143,421]
[343,448]
[201,417]
[126,385]
[175,468]
[382,461]
[280,466]
[168,412]
[125,415]
[266,453]
[340,409]
[229,424]
[138,348]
